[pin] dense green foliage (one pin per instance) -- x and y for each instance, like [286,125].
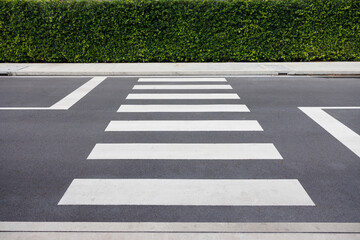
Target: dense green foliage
[179,30]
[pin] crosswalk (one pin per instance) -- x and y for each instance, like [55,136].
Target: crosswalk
[185,192]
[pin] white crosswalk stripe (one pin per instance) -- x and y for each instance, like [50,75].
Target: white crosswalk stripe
[184,108]
[169,87]
[188,125]
[239,151]
[220,192]
[185,192]
[182,80]
[183,96]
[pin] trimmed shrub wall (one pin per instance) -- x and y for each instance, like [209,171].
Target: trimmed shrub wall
[179,30]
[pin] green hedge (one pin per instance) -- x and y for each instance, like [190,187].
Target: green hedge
[179,30]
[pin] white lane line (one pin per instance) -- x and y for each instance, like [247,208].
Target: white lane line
[182,79]
[78,94]
[160,87]
[183,96]
[185,108]
[181,227]
[69,100]
[176,236]
[340,108]
[194,192]
[25,108]
[187,125]
[341,132]
[187,151]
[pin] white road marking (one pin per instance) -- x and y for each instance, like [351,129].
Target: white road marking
[186,192]
[187,125]
[183,96]
[176,236]
[78,94]
[185,108]
[25,108]
[341,132]
[340,108]
[183,227]
[156,87]
[182,79]
[69,100]
[187,151]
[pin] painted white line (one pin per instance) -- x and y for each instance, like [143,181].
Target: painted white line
[185,108]
[340,108]
[24,108]
[187,125]
[205,227]
[187,151]
[69,100]
[176,236]
[341,132]
[203,79]
[183,96]
[185,192]
[78,94]
[140,87]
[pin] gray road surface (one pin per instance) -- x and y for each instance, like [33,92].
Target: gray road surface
[43,151]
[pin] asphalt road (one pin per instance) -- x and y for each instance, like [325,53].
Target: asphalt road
[43,151]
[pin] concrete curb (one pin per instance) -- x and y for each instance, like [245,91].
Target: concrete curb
[179,69]
[189,74]
[208,73]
